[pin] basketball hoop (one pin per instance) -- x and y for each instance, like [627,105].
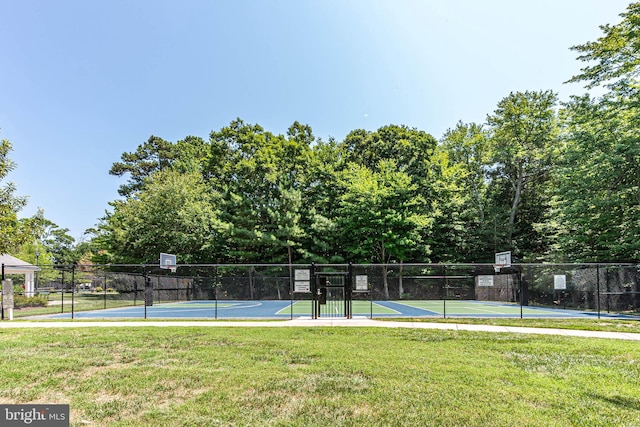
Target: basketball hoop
[168,262]
[502,260]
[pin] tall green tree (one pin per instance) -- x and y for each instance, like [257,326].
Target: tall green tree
[58,243]
[382,216]
[523,140]
[461,229]
[261,185]
[153,155]
[14,231]
[597,197]
[410,148]
[613,59]
[174,213]
[321,203]
[597,202]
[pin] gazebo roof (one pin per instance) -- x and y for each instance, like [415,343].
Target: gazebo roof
[13,265]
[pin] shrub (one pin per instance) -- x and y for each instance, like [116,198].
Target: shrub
[99,289]
[110,290]
[20,301]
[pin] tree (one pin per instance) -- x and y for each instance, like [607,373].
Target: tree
[320,199]
[381,216]
[174,213]
[617,62]
[597,197]
[58,243]
[597,200]
[411,149]
[13,231]
[261,187]
[459,180]
[523,132]
[153,155]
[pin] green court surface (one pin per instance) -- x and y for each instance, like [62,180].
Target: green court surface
[333,308]
[478,308]
[359,308]
[435,308]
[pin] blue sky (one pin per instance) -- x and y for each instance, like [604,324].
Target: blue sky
[81,81]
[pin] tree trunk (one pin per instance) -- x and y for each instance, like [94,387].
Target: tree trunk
[251,282]
[290,255]
[385,280]
[516,201]
[476,194]
[385,268]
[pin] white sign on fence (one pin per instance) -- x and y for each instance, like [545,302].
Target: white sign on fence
[302,282]
[303,274]
[302,286]
[362,283]
[559,282]
[485,280]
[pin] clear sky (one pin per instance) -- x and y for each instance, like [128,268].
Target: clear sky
[82,81]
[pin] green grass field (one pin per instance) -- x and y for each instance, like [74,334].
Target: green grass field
[321,376]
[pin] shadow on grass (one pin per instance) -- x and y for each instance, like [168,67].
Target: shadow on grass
[621,401]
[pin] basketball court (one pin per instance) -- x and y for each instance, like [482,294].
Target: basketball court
[344,291]
[278,310]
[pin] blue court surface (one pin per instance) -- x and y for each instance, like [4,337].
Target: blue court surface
[270,309]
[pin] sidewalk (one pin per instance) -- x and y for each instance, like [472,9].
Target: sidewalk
[325,322]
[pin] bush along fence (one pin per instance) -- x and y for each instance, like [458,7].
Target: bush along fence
[338,290]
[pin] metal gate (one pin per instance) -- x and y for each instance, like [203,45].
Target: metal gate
[331,292]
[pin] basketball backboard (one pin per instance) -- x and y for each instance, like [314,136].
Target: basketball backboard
[502,260]
[168,261]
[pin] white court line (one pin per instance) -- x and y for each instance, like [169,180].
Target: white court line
[212,306]
[457,308]
[389,308]
[288,307]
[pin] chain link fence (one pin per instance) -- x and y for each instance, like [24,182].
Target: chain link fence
[271,290]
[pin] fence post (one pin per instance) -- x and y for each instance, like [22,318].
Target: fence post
[148,291]
[445,290]
[135,292]
[291,289]
[347,292]
[104,291]
[314,295]
[598,288]
[62,293]
[370,288]
[73,290]
[215,292]
[522,296]
[146,296]
[2,309]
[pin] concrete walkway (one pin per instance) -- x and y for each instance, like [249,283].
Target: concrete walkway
[325,322]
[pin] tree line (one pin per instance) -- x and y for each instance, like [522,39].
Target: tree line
[548,180]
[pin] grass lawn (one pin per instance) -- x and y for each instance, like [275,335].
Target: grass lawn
[321,377]
[610,325]
[82,301]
